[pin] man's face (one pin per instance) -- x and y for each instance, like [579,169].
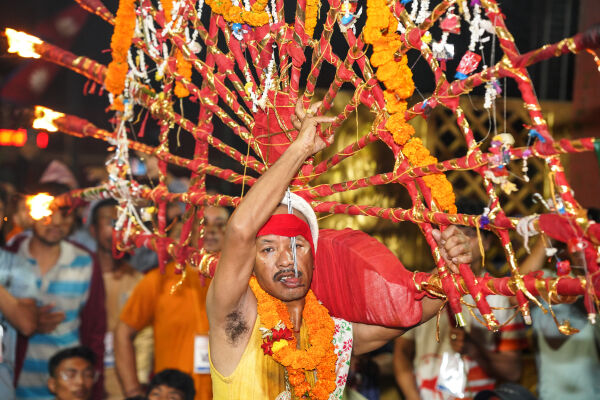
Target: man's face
[51,230]
[215,219]
[274,265]
[164,392]
[102,228]
[73,380]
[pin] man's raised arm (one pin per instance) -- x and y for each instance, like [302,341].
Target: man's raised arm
[229,287]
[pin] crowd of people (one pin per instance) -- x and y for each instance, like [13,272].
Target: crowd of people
[79,323]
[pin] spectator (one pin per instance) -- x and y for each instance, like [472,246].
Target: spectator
[487,357]
[20,220]
[70,297]
[119,280]
[178,317]
[568,366]
[17,308]
[171,384]
[72,373]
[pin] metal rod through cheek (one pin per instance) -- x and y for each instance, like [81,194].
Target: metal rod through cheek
[293,239]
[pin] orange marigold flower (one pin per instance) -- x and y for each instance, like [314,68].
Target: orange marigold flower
[120,44]
[442,192]
[371,35]
[387,71]
[381,57]
[184,68]
[403,134]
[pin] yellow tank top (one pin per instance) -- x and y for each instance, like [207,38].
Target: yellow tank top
[256,377]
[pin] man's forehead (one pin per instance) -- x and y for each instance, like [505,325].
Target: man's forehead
[273,237]
[107,210]
[75,362]
[216,212]
[282,209]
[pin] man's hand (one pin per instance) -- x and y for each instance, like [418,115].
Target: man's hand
[48,320]
[455,247]
[306,124]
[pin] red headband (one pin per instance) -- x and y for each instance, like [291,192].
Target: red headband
[287,225]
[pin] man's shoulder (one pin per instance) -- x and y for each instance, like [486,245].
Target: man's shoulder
[17,275]
[150,281]
[82,257]
[10,260]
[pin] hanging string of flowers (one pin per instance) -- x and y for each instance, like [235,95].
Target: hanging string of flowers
[120,44]
[257,16]
[310,16]
[183,67]
[280,343]
[380,31]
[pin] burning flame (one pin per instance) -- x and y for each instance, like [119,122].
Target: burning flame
[45,117]
[39,205]
[22,43]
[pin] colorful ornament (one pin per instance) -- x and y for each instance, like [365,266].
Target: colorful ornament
[563,267]
[468,63]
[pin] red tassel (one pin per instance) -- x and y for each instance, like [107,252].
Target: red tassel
[143,126]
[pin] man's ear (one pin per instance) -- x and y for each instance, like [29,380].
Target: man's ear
[52,384]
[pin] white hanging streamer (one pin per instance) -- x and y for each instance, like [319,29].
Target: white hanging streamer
[121,189]
[414,9]
[465,10]
[526,229]
[274,12]
[423,12]
[262,102]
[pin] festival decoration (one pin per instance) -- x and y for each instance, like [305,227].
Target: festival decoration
[251,77]
[468,63]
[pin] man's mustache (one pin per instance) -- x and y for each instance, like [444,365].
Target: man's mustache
[278,274]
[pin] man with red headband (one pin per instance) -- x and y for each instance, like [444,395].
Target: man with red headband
[270,338]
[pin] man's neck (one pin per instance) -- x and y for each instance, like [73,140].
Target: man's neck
[45,254]
[106,261]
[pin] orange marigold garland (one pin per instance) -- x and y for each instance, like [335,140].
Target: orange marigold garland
[310,16]
[380,31]
[320,356]
[183,66]
[120,44]
[257,16]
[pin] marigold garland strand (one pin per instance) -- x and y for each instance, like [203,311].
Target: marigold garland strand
[257,16]
[319,356]
[183,67]
[120,44]
[380,31]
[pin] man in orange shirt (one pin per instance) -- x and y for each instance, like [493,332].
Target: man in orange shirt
[179,319]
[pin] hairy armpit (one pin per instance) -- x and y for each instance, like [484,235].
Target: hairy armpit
[235,326]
